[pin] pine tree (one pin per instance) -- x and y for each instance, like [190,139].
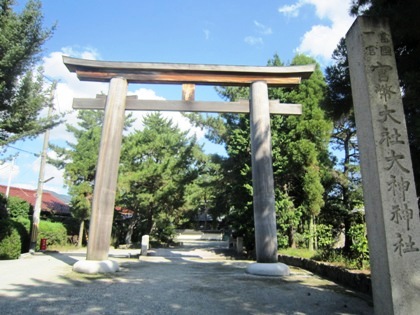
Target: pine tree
[158,163]
[79,163]
[22,95]
[300,156]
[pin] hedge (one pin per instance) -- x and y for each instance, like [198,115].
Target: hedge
[54,232]
[15,236]
[10,242]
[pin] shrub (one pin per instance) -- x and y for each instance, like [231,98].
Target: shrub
[54,232]
[282,240]
[17,207]
[359,248]
[324,234]
[10,243]
[3,207]
[23,225]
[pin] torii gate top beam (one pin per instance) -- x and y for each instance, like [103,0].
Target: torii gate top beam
[175,73]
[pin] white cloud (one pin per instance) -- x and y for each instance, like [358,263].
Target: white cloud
[263,29]
[69,87]
[291,10]
[177,118]
[322,39]
[57,182]
[7,169]
[252,40]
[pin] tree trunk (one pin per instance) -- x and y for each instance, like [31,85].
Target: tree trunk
[348,241]
[346,202]
[311,233]
[130,231]
[81,230]
[149,225]
[291,236]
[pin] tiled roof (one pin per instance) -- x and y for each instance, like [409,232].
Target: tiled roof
[50,203]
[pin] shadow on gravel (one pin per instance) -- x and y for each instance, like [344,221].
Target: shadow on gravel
[181,285]
[63,257]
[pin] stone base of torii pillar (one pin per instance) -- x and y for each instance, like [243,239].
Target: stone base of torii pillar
[96,266]
[268,269]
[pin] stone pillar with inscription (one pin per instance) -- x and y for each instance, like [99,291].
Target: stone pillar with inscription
[392,212]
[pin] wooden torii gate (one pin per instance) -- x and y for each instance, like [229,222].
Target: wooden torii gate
[119,74]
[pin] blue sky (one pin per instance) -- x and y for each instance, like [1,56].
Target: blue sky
[235,32]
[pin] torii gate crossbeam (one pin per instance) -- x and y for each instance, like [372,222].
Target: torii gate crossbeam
[119,74]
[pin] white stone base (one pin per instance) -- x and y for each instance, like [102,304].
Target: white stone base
[96,266]
[268,269]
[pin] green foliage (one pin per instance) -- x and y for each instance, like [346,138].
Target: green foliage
[10,242]
[17,207]
[360,250]
[164,230]
[54,232]
[288,218]
[70,223]
[79,162]
[80,159]
[300,156]
[157,164]
[298,252]
[324,235]
[3,207]
[22,95]
[23,225]
[205,193]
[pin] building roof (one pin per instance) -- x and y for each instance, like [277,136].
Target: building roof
[50,203]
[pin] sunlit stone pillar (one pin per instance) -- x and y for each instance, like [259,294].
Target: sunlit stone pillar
[107,172]
[262,175]
[392,214]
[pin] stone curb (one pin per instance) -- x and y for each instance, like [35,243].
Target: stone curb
[356,281]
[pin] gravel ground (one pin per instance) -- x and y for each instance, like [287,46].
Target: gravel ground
[194,279]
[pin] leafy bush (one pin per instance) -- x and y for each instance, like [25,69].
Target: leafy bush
[17,207]
[301,240]
[10,243]
[23,225]
[324,235]
[3,207]
[282,240]
[54,232]
[164,230]
[359,248]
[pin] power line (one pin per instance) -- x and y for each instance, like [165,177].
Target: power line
[12,147]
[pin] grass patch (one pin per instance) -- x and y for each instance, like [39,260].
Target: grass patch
[298,252]
[63,248]
[333,257]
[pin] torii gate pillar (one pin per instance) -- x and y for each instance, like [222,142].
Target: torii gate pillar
[107,174]
[106,182]
[262,175]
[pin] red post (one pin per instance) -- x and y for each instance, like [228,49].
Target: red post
[43,245]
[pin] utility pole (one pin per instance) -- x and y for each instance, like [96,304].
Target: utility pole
[38,203]
[10,177]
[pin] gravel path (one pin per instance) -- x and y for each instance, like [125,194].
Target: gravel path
[194,279]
